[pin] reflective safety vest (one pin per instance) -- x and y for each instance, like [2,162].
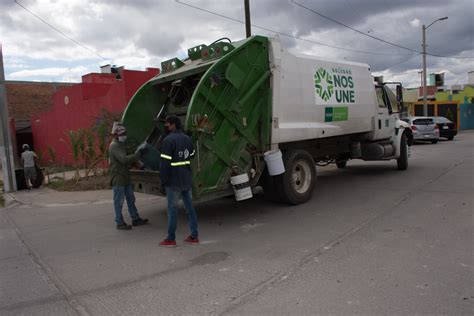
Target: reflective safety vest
[176,155]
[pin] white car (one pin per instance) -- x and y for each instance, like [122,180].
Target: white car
[423,128]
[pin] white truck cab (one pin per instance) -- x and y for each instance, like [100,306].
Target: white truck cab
[330,111]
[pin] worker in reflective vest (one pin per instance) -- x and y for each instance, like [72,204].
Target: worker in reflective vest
[176,177]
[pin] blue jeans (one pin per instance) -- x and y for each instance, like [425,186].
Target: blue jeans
[173,194]
[121,193]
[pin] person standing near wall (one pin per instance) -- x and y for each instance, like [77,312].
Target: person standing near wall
[28,161]
[120,164]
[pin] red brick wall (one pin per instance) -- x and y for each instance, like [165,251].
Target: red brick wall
[84,104]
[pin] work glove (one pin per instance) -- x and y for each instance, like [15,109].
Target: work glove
[139,165]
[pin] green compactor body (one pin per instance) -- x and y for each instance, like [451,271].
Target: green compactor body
[222,94]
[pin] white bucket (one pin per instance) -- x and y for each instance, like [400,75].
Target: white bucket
[241,186]
[274,161]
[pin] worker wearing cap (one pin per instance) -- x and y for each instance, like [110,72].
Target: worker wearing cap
[28,160]
[176,179]
[120,164]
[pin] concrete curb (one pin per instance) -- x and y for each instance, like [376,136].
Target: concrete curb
[11,200]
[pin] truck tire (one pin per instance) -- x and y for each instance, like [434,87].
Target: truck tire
[296,185]
[402,161]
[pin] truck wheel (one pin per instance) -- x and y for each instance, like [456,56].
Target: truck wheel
[434,141]
[341,164]
[402,161]
[296,185]
[450,137]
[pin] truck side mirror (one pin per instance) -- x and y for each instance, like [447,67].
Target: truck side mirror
[402,107]
[399,93]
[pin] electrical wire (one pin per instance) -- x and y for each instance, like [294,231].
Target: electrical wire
[403,61]
[371,36]
[61,32]
[351,28]
[283,34]
[453,57]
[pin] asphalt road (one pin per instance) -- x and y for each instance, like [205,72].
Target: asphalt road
[373,240]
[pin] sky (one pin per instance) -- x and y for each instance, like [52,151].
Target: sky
[61,40]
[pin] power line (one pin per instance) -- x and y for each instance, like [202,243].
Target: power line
[60,32]
[403,61]
[371,36]
[351,28]
[453,57]
[281,33]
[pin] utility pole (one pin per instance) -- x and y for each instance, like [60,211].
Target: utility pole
[248,32]
[425,93]
[5,146]
[423,46]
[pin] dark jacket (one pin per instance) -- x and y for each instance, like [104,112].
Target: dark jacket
[120,164]
[176,155]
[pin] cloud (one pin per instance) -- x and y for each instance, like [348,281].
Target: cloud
[141,33]
[64,73]
[415,22]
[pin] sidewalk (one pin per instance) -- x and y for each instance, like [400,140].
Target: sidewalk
[45,197]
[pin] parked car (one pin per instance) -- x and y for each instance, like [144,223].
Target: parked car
[423,128]
[446,127]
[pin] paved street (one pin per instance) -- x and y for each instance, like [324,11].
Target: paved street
[373,240]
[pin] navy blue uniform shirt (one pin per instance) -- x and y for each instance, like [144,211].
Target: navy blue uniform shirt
[176,154]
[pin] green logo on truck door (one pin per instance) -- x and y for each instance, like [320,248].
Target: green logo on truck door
[334,86]
[323,84]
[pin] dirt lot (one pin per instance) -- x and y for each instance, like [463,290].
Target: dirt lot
[84,184]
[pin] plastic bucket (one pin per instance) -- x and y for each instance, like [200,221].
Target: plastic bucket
[241,186]
[274,161]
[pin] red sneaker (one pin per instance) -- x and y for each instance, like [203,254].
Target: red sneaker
[168,243]
[192,240]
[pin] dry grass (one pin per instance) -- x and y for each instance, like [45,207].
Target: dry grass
[84,184]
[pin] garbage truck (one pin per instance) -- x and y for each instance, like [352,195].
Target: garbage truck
[260,116]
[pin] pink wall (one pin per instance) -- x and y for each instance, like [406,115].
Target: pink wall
[430,90]
[79,106]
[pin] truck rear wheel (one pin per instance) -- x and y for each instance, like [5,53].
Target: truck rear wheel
[296,185]
[402,161]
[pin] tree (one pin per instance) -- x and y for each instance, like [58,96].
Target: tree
[52,155]
[76,139]
[102,127]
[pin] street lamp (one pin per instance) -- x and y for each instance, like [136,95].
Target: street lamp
[423,45]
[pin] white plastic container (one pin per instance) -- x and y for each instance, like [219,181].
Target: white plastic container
[274,161]
[241,186]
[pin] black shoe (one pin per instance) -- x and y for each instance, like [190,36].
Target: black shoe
[139,221]
[124,226]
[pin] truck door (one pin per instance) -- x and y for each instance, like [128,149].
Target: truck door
[384,120]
